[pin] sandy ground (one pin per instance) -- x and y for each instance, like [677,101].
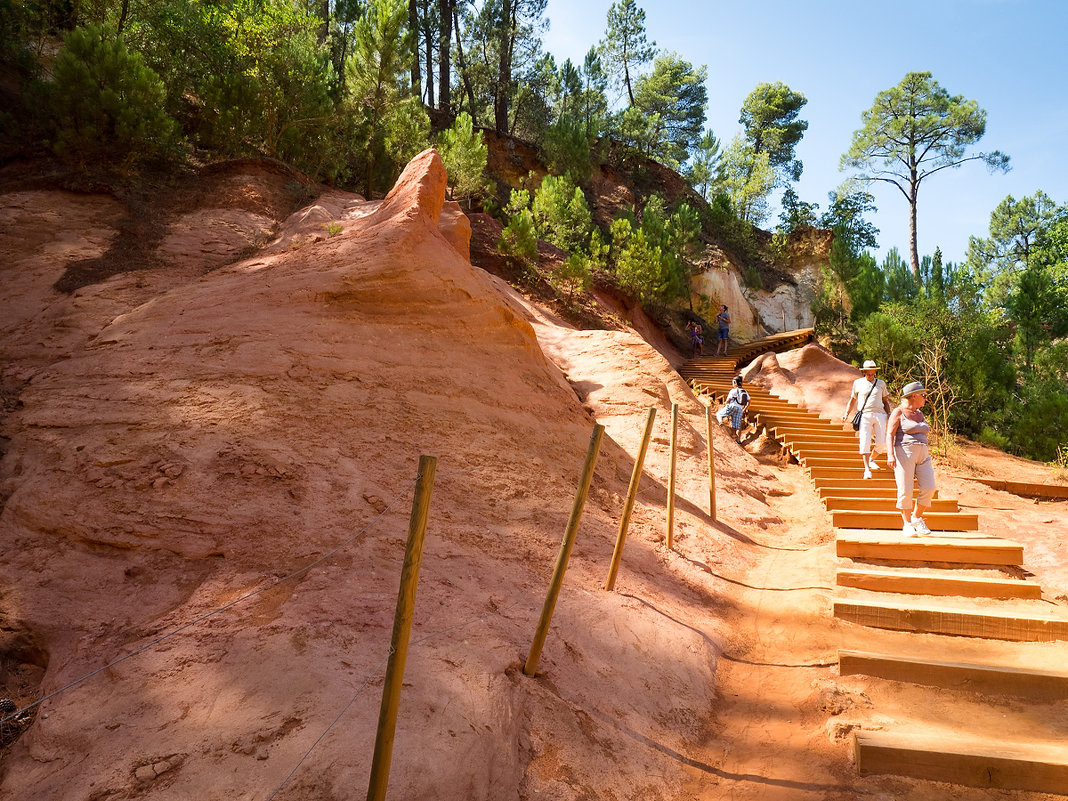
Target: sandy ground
[184,438]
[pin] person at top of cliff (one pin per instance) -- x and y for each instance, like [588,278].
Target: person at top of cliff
[910,457]
[723,330]
[871,398]
[694,330]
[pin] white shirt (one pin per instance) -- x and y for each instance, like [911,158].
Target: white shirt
[861,388]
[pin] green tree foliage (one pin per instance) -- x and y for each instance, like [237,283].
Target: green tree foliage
[464,154]
[866,289]
[901,284]
[770,120]
[393,122]
[503,65]
[1017,230]
[106,103]
[796,212]
[574,274]
[519,239]
[567,150]
[594,102]
[845,214]
[703,172]
[625,49]
[561,215]
[748,180]
[673,97]
[913,131]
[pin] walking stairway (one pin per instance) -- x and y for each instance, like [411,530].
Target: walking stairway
[956,581]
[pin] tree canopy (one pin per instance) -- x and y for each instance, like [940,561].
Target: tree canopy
[912,131]
[770,120]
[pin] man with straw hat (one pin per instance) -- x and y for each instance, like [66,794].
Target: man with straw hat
[872,402]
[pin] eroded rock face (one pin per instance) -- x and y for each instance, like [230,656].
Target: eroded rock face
[209,445]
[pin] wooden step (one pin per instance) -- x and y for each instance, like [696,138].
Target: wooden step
[1025,488]
[937,521]
[861,488]
[1002,766]
[960,622]
[913,583]
[976,549]
[884,504]
[1036,685]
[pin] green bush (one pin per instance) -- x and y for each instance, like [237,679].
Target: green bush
[106,104]
[464,154]
[561,214]
[567,150]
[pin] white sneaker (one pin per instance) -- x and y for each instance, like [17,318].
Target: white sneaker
[873,466]
[867,473]
[920,525]
[908,530]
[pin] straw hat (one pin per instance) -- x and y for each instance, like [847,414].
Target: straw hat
[870,365]
[912,389]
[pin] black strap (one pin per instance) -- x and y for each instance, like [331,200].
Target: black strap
[868,396]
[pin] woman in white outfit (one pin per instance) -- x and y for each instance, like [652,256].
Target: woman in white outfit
[871,398]
[908,454]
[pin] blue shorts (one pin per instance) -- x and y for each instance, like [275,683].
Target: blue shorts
[723,333]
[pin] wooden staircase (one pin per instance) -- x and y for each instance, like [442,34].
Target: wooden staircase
[939,584]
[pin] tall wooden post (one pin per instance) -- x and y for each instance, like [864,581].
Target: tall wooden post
[402,629]
[671,478]
[531,665]
[711,465]
[632,492]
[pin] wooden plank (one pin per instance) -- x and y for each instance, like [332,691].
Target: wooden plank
[1028,489]
[992,551]
[1001,766]
[958,622]
[937,521]
[913,583]
[887,503]
[1036,685]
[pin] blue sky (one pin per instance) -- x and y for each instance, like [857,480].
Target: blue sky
[1008,55]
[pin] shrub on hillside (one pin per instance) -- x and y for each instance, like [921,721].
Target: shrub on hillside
[106,104]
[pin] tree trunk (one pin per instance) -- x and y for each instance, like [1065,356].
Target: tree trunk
[445,10]
[122,16]
[429,69]
[413,23]
[463,67]
[324,21]
[504,69]
[914,252]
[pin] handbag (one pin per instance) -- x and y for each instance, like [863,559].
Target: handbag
[860,412]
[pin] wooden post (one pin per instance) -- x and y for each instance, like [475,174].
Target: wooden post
[402,627]
[531,665]
[671,478]
[628,507]
[711,465]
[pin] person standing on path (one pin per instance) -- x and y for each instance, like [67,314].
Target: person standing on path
[723,330]
[871,398]
[909,455]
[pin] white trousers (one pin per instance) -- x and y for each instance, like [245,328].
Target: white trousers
[914,463]
[872,425]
